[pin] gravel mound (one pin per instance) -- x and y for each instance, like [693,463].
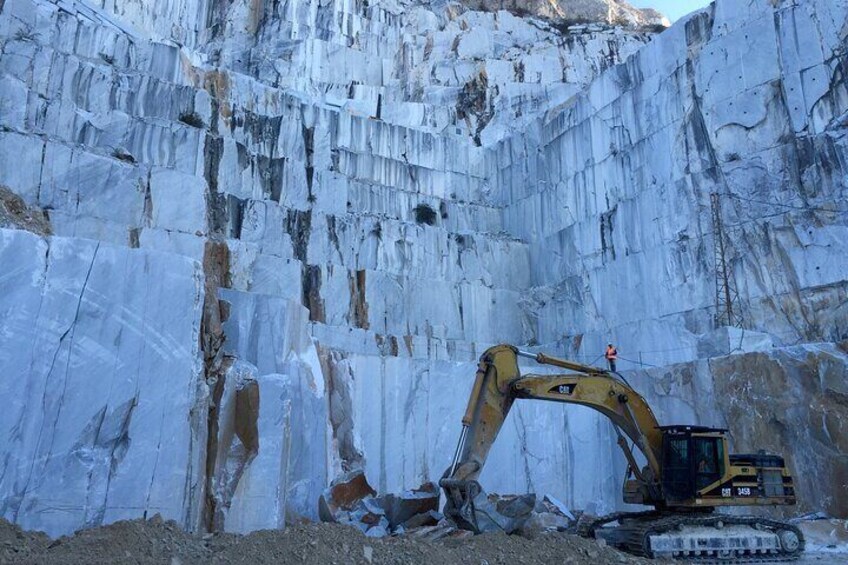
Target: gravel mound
[160,541]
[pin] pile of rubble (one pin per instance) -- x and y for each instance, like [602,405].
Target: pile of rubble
[157,541]
[351,500]
[415,513]
[522,514]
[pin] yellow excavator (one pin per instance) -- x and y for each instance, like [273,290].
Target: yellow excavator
[687,473]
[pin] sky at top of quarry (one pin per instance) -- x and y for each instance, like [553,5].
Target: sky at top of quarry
[673,9]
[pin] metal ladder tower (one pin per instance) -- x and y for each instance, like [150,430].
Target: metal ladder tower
[727,295]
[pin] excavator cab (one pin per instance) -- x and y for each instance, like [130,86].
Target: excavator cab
[698,471]
[694,458]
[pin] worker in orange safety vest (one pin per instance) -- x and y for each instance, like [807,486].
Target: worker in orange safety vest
[611,355]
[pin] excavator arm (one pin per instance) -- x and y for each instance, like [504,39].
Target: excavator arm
[499,383]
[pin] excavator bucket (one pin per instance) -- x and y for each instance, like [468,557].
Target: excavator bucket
[459,506]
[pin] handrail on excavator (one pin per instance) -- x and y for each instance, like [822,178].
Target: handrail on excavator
[543,359]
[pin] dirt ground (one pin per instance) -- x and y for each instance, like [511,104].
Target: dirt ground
[159,541]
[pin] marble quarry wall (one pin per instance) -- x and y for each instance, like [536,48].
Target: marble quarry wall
[247,245]
[104,413]
[612,189]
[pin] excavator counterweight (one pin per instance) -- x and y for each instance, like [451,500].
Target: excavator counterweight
[687,473]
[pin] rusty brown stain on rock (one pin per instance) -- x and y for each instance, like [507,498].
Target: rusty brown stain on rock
[14,213]
[233,438]
[217,84]
[235,458]
[343,493]
[255,16]
[216,266]
[210,509]
[337,379]
[387,345]
[247,416]
[192,74]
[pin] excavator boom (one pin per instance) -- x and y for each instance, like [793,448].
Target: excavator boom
[499,383]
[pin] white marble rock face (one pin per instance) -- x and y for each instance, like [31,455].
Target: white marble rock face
[101,376]
[333,208]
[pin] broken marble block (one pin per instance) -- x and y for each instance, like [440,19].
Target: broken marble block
[370,511]
[350,500]
[516,506]
[521,514]
[556,506]
[542,522]
[366,515]
[488,517]
[405,506]
[496,513]
[432,533]
[430,518]
[343,494]
[379,530]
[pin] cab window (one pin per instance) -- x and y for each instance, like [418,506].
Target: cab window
[708,460]
[677,468]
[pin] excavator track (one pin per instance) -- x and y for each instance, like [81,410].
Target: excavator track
[699,538]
